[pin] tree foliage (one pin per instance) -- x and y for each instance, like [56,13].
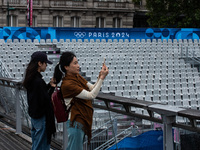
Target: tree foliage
[174,13]
[136,1]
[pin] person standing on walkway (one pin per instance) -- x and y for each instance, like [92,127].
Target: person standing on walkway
[77,93]
[40,108]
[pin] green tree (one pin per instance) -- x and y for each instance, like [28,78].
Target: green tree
[174,13]
[136,1]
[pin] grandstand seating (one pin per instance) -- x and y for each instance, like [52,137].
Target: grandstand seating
[141,69]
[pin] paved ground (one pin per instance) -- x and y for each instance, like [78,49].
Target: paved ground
[11,141]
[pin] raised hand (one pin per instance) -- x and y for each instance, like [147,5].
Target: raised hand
[104,72]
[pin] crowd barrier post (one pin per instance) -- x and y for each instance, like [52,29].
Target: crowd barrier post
[18,111]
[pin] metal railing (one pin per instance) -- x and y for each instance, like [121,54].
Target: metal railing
[70,3]
[61,3]
[117,138]
[14,92]
[20,2]
[3,71]
[169,114]
[190,57]
[107,133]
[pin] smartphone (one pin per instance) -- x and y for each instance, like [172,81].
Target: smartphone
[104,60]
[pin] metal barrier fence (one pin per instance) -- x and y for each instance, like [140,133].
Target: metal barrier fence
[169,115]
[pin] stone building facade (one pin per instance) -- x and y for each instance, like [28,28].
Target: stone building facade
[70,13]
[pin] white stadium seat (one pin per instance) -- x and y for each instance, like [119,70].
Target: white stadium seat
[150,70]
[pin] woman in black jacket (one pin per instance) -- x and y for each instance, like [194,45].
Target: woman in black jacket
[40,108]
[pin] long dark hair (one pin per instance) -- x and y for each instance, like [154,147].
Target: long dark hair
[65,59]
[30,73]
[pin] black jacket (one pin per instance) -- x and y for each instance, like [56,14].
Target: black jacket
[39,103]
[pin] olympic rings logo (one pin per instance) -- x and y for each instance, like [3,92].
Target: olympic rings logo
[80,34]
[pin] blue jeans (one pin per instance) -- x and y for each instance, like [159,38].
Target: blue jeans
[75,136]
[39,135]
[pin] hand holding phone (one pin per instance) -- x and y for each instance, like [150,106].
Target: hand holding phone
[104,71]
[104,60]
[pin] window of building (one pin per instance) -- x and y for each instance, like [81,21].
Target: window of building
[34,21]
[138,3]
[75,21]
[13,21]
[57,21]
[100,22]
[117,22]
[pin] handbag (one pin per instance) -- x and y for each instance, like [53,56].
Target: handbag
[60,110]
